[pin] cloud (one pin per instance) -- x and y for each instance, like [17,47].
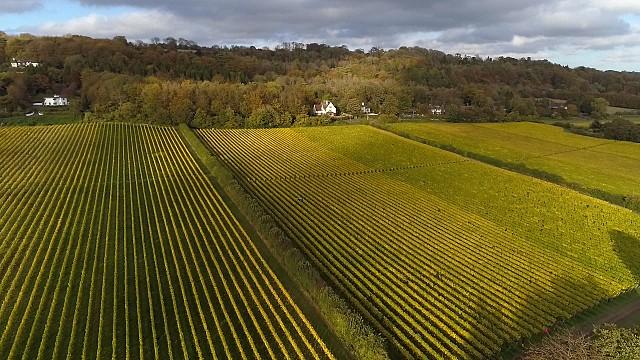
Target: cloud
[632,6]
[143,24]
[487,28]
[17,6]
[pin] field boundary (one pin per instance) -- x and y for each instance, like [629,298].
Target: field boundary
[629,202]
[611,311]
[356,338]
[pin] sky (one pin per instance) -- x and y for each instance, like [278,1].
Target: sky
[604,34]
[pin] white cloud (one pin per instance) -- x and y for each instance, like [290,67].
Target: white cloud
[632,6]
[143,24]
[524,40]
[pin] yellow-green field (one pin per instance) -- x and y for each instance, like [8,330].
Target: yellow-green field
[115,245]
[446,256]
[605,165]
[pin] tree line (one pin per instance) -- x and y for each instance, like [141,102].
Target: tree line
[177,81]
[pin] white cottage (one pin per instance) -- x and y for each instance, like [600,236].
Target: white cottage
[436,109]
[367,110]
[325,108]
[16,64]
[56,100]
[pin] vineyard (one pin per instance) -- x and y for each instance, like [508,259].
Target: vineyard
[607,165]
[114,244]
[447,257]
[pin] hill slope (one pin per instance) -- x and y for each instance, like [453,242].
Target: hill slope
[446,256]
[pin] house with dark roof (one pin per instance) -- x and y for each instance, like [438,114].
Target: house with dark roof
[325,108]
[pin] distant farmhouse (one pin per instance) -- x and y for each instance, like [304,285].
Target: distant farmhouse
[367,110]
[436,110]
[557,104]
[553,104]
[324,108]
[21,64]
[54,101]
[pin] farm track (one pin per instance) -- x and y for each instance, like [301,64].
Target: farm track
[114,244]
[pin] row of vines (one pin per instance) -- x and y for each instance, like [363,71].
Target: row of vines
[436,279]
[114,244]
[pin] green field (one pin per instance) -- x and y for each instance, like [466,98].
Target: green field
[605,165]
[115,244]
[586,122]
[620,110]
[447,257]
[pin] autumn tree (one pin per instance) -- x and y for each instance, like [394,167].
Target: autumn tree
[263,117]
[180,102]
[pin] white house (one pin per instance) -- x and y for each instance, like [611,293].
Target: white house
[56,100]
[367,110]
[436,109]
[23,64]
[325,108]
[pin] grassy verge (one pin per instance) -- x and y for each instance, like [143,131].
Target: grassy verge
[632,203]
[345,331]
[49,118]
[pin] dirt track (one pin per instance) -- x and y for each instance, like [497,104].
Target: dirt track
[625,315]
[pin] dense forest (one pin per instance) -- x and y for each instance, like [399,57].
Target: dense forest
[176,81]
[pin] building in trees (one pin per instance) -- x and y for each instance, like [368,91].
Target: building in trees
[20,64]
[56,100]
[557,105]
[436,110]
[367,110]
[325,108]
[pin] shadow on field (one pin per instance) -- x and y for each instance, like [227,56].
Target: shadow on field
[627,247]
[559,299]
[555,296]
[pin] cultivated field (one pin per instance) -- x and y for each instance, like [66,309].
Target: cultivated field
[114,244]
[606,165]
[620,110]
[446,256]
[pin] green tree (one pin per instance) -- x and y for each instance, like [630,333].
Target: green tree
[3,45]
[617,343]
[523,106]
[17,93]
[200,119]
[599,107]
[229,119]
[263,117]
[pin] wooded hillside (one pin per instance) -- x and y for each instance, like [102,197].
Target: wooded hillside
[174,81]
